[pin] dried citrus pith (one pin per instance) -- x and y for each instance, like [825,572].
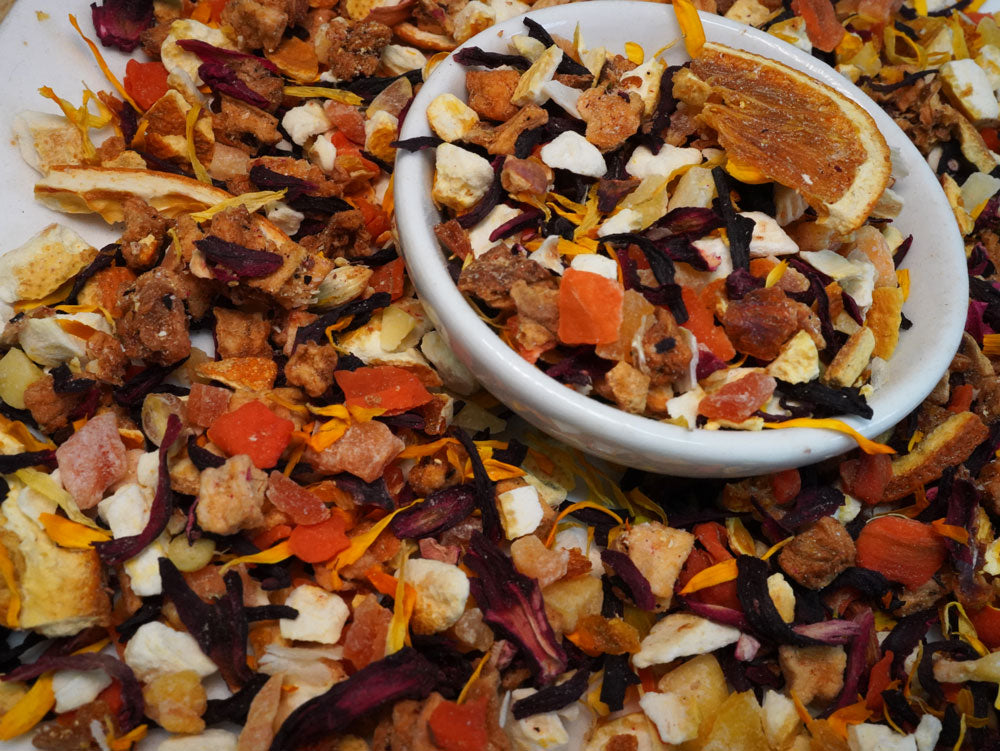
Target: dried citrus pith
[795,131]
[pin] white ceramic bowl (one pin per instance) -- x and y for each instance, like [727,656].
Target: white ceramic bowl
[936,306]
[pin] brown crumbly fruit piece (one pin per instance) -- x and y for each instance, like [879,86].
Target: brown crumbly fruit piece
[815,556]
[795,131]
[813,673]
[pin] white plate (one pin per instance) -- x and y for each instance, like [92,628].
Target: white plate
[938,292]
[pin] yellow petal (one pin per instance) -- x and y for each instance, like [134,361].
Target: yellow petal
[274,554]
[321,92]
[775,274]
[199,169]
[70,534]
[252,201]
[472,678]
[829,423]
[29,710]
[104,66]
[691,28]
[9,575]
[746,174]
[720,573]
[634,52]
[576,507]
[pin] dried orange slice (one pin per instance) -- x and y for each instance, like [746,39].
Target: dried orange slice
[794,130]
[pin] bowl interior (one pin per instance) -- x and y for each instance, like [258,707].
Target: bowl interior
[938,279]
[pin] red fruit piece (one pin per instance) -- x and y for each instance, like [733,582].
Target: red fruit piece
[389,277]
[738,400]
[145,82]
[822,26]
[365,639]
[702,324]
[314,543]
[91,460]
[460,727]
[902,550]
[786,485]
[383,387]
[290,497]
[253,430]
[347,120]
[206,404]
[865,478]
[590,308]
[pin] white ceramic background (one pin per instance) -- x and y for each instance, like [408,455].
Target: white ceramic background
[937,303]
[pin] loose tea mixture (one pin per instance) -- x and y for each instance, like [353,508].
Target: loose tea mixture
[319,522]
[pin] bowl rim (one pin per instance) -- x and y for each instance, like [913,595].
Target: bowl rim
[578,416]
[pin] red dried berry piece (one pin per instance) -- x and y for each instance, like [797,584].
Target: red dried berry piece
[253,430]
[738,400]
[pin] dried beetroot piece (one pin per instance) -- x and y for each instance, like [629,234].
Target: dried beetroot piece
[810,505]
[739,229]
[210,53]
[759,608]
[512,603]
[618,676]
[637,584]
[476,57]
[520,222]
[442,510]
[569,66]
[405,674]
[220,627]
[131,712]
[222,79]
[144,382]
[115,552]
[202,458]
[270,613]
[691,220]
[268,179]
[483,486]
[148,612]
[553,698]
[360,312]
[119,23]
[826,401]
[13,462]
[419,143]
[236,707]
[243,262]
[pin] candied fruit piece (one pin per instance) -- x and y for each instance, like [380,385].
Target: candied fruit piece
[635,309]
[364,641]
[598,635]
[738,725]
[738,400]
[364,450]
[287,495]
[253,430]
[206,404]
[760,322]
[92,459]
[702,324]
[176,701]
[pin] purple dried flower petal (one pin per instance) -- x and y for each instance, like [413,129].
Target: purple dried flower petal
[405,674]
[201,457]
[485,490]
[812,504]
[759,608]
[418,143]
[829,632]
[235,708]
[739,229]
[219,627]
[520,222]
[708,363]
[718,613]
[494,195]
[691,220]
[115,552]
[512,603]
[476,57]
[210,53]
[120,23]
[360,312]
[857,657]
[746,648]
[13,462]
[442,510]
[552,698]
[243,262]
[638,585]
[222,79]
[618,676]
